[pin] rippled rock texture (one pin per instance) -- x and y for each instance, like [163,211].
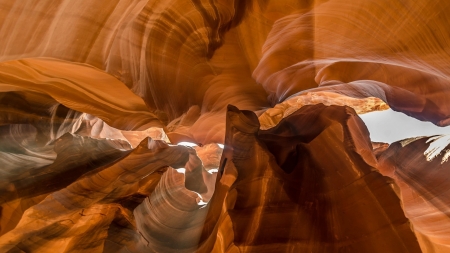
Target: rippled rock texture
[95,97]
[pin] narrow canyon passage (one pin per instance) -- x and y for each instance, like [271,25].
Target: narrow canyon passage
[224,126]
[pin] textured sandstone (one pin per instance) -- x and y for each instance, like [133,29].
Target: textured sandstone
[96,95]
[424,190]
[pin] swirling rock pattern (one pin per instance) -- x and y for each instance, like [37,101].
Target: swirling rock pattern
[96,95]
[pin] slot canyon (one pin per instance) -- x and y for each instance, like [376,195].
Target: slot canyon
[222,126]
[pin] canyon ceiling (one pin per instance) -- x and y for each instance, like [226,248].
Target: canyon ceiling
[96,95]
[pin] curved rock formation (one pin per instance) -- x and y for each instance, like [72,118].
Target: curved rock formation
[91,91]
[305,189]
[423,188]
[95,97]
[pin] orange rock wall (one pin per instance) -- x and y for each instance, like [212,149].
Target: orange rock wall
[96,95]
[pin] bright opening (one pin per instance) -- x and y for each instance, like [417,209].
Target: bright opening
[188,144]
[181,170]
[211,171]
[389,126]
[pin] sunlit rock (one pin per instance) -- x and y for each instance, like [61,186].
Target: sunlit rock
[421,172]
[272,116]
[222,126]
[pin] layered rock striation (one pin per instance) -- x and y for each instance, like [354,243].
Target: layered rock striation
[97,97]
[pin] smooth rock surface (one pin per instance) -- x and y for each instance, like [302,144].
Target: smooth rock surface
[96,95]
